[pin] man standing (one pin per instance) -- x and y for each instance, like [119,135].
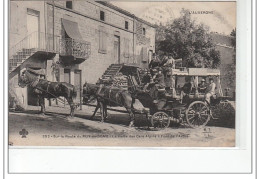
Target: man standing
[155,62]
[170,63]
[210,90]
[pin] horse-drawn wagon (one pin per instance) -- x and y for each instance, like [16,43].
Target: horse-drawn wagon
[171,106]
[161,106]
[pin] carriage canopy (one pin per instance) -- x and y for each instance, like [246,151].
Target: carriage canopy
[195,72]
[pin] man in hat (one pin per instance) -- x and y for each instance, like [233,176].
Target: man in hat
[210,91]
[155,62]
[160,79]
[202,86]
[147,78]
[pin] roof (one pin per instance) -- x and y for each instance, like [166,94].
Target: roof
[105,3]
[196,72]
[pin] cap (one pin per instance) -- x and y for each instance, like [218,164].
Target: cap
[203,80]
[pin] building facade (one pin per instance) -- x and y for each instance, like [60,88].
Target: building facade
[227,52]
[74,41]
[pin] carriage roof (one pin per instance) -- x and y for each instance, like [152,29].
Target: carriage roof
[195,72]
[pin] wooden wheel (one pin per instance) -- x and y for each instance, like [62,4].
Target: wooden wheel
[160,120]
[197,114]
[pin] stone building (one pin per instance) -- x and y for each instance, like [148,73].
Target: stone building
[73,41]
[227,52]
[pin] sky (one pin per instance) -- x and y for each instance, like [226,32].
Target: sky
[222,20]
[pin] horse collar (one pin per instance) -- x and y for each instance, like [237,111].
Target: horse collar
[35,82]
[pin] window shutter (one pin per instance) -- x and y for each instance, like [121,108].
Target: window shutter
[144,54]
[126,47]
[102,40]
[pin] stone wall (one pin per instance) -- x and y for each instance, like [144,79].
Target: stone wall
[86,14]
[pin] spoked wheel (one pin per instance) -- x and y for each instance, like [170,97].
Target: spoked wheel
[160,120]
[197,114]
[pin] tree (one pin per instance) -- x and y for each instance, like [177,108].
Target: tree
[183,38]
[231,75]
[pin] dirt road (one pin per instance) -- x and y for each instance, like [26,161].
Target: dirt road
[56,129]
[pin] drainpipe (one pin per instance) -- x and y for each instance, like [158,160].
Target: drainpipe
[134,39]
[53,22]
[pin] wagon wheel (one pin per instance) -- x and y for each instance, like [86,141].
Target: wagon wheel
[160,120]
[197,114]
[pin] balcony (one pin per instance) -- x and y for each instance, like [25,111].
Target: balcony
[74,51]
[37,45]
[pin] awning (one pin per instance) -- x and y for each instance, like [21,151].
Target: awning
[72,29]
[37,72]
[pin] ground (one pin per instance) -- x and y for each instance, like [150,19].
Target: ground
[57,129]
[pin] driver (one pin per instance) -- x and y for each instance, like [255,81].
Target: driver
[160,79]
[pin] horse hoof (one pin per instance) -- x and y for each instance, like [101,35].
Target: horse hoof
[131,124]
[42,114]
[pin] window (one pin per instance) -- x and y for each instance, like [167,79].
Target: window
[143,31]
[102,15]
[69,4]
[126,24]
[102,40]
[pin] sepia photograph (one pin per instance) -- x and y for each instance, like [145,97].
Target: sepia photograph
[121,73]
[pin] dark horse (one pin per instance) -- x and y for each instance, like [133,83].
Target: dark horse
[112,96]
[46,89]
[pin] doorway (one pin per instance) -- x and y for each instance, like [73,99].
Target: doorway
[117,49]
[33,28]
[77,84]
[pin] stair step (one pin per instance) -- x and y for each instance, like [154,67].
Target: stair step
[106,76]
[111,72]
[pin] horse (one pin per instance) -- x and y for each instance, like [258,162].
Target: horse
[46,89]
[112,96]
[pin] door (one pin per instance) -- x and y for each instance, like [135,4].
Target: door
[33,28]
[150,55]
[67,75]
[77,84]
[117,49]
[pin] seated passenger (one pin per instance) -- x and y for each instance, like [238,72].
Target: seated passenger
[210,91]
[186,89]
[202,86]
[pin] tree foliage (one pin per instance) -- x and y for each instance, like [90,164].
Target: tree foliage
[231,75]
[183,38]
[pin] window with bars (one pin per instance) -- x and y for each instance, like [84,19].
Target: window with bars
[69,4]
[102,40]
[102,15]
[126,25]
[143,31]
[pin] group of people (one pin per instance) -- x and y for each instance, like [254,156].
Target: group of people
[203,87]
[156,75]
